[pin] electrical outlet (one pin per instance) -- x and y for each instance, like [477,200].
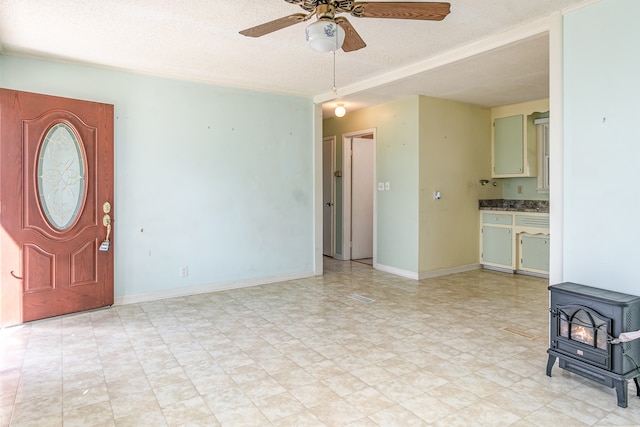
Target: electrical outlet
[184,271]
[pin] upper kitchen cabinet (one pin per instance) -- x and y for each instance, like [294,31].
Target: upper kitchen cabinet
[508,146]
[514,139]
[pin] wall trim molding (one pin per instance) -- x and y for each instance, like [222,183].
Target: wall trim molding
[213,287]
[397,271]
[427,274]
[447,271]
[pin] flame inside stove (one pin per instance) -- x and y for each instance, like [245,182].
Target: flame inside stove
[583,334]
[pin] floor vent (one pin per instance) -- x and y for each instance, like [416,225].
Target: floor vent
[520,333]
[361,298]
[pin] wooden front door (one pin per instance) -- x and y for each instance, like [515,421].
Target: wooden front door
[56,195]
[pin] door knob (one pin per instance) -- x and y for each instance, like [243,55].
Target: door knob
[106,221]
[328,204]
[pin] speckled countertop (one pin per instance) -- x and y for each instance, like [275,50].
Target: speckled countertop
[514,205]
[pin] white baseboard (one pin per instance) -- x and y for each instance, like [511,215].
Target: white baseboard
[397,271]
[447,271]
[203,289]
[427,274]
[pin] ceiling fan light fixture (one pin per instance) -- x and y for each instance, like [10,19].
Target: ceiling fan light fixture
[325,35]
[340,111]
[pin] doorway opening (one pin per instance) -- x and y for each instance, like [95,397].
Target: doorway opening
[359,196]
[328,196]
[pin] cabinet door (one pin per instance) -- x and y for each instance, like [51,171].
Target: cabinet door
[508,145]
[534,253]
[496,246]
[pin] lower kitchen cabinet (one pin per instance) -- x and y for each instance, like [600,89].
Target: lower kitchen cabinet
[497,246]
[515,241]
[534,253]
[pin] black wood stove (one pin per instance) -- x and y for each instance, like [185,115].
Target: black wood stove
[585,326]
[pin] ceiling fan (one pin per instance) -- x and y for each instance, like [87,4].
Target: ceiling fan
[326,11]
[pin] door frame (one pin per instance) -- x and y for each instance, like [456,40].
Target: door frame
[346,192]
[332,230]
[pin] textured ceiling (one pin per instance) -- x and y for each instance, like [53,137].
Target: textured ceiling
[198,40]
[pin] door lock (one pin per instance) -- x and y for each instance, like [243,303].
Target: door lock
[106,221]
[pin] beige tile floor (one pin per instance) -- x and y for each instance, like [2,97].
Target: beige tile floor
[305,353]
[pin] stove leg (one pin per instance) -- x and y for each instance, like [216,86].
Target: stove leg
[621,392]
[550,361]
[635,380]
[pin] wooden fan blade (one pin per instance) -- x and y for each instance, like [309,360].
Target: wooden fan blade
[270,27]
[352,40]
[430,11]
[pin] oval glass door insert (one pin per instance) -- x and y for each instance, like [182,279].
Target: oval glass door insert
[61,176]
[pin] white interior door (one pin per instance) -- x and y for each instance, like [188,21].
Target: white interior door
[328,204]
[362,187]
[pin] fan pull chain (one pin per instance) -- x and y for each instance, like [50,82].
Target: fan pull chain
[335,90]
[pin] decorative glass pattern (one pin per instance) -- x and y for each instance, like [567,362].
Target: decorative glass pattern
[61,176]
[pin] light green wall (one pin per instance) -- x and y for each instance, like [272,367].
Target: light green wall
[396,125]
[215,178]
[455,147]
[601,145]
